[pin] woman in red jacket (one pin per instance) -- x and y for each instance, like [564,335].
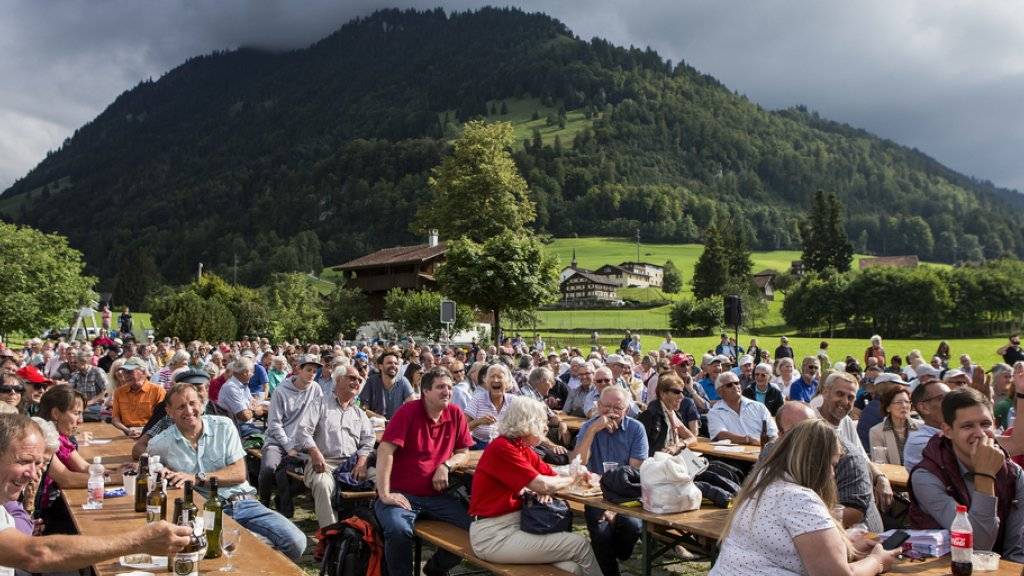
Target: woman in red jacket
[508,468]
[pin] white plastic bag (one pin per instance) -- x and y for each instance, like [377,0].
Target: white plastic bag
[666,482]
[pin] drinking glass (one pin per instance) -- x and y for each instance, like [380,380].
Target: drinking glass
[229,545]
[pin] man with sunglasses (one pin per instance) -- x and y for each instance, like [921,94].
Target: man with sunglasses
[927,400]
[736,417]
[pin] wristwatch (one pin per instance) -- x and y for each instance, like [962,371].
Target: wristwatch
[201,479]
[445,464]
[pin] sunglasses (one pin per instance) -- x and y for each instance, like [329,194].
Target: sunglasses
[602,380]
[675,391]
[9,389]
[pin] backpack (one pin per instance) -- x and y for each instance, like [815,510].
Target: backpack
[351,547]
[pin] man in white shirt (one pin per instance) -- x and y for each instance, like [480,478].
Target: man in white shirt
[668,346]
[736,417]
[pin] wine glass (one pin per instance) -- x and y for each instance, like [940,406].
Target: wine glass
[229,545]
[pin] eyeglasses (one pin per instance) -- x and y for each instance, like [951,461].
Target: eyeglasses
[900,403]
[602,380]
[461,371]
[9,389]
[732,383]
[675,391]
[812,368]
[935,397]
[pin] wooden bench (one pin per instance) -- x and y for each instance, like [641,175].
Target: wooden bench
[451,538]
[302,481]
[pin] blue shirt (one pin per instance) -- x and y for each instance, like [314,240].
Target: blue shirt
[708,386]
[801,390]
[258,380]
[869,416]
[629,441]
[219,446]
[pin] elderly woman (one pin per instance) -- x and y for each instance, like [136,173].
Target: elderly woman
[787,375]
[489,404]
[62,405]
[179,362]
[508,468]
[278,372]
[671,420]
[763,391]
[891,433]
[875,350]
[781,521]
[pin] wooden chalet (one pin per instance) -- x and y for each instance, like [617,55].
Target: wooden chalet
[584,288]
[404,267]
[765,282]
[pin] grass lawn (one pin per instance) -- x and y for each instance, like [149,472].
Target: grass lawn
[981,350]
[520,114]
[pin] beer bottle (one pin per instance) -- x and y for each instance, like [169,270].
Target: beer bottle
[142,484]
[186,561]
[156,502]
[174,518]
[213,518]
[764,432]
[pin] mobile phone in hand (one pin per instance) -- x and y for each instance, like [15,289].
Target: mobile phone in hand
[895,540]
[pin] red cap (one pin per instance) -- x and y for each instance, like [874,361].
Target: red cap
[32,375]
[961,508]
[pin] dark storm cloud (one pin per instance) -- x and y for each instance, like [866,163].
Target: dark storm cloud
[945,77]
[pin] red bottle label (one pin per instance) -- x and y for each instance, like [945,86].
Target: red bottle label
[961,539]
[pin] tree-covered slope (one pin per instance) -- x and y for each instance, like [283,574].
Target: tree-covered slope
[295,160]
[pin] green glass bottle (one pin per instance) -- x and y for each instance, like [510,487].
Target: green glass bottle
[142,484]
[213,518]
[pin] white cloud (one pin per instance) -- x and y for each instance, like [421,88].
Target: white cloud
[940,75]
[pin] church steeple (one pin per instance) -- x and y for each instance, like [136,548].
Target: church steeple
[573,264]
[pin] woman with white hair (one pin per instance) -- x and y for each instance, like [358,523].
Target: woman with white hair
[787,375]
[489,404]
[179,361]
[509,468]
[875,350]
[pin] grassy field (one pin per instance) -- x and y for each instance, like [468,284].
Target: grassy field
[520,114]
[981,350]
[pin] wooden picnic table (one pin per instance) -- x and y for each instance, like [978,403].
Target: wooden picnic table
[940,567]
[118,516]
[732,451]
[573,423]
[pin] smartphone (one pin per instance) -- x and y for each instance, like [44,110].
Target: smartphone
[895,540]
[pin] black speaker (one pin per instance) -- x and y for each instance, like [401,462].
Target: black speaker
[733,310]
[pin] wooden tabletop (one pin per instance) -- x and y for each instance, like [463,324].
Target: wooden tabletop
[573,423]
[118,516]
[940,567]
[746,454]
[897,475]
[708,522]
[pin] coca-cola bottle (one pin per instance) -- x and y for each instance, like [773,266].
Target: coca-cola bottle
[961,542]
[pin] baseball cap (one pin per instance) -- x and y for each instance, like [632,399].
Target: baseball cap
[889,377]
[192,376]
[135,363]
[309,359]
[32,375]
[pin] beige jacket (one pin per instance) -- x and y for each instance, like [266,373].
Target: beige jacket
[879,436]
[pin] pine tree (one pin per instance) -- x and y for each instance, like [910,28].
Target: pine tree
[504,108]
[825,242]
[711,272]
[672,279]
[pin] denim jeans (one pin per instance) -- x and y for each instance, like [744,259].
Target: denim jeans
[257,518]
[397,524]
[612,541]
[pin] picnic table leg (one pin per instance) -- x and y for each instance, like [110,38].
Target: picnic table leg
[417,554]
[647,560]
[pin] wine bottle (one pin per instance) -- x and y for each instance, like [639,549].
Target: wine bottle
[142,484]
[186,561]
[213,518]
[199,521]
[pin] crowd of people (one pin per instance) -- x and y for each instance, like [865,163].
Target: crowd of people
[824,432]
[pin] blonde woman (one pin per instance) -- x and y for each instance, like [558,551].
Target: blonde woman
[787,375]
[508,468]
[781,522]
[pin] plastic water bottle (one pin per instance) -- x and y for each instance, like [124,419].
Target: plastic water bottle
[1011,417]
[95,486]
[961,542]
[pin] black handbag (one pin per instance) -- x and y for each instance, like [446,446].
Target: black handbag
[538,517]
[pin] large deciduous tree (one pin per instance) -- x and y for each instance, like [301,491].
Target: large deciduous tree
[419,312]
[508,271]
[478,191]
[41,280]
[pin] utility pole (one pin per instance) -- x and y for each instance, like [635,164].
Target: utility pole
[199,276]
[235,276]
[637,245]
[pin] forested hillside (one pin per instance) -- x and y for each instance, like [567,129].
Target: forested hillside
[296,160]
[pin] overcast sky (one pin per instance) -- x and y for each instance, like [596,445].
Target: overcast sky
[945,77]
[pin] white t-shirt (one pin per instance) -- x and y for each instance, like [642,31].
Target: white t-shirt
[6,522]
[760,542]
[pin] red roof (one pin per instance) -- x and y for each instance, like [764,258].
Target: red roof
[395,256]
[890,261]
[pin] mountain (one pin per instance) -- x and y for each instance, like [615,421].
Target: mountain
[255,162]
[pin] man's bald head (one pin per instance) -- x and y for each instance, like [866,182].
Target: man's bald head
[792,413]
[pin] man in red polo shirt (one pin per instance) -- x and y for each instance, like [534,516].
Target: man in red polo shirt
[424,440]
